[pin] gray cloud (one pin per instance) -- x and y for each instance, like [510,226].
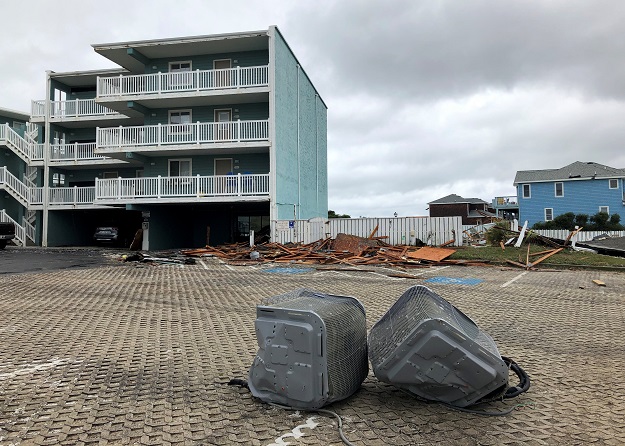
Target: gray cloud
[425,98]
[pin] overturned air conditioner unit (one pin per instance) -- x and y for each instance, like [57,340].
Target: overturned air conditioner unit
[426,346]
[312,349]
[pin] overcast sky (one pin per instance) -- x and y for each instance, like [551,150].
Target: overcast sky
[425,98]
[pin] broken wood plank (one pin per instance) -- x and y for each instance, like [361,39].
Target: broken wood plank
[449,242]
[546,256]
[598,282]
[373,232]
[512,262]
[431,253]
[503,247]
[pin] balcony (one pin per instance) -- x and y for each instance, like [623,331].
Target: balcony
[189,82]
[78,154]
[505,202]
[181,137]
[74,111]
[64,197]
[215,188]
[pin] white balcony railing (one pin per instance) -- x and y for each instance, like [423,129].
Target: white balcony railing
[175,187]
[185,81]
[74,152]
[510,200]
[120,138]
[76,108]
[71,195]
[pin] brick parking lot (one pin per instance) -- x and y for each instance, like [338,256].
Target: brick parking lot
[140,354]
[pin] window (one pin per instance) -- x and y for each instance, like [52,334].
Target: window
[559,189]
[180,168]
[180,76]
[180,122]
[177,67]
[110,175]
[58,180]
[180,117]
[527,192]
[548,214]
[614,183]
[605,209]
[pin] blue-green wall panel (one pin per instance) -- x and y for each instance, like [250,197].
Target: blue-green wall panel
[298,108]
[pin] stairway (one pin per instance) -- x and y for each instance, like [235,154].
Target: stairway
[20,232]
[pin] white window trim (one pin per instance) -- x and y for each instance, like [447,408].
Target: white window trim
[110,175]
[555,189]
[549,209]
[180,62]
[170,112]
[607,208]
[179,159]
[610,183]
[529,189]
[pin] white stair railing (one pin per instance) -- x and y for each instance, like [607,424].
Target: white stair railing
[14,186]
[29,229]
[27,151]
[20,233]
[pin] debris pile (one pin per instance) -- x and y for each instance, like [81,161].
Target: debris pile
[345,249]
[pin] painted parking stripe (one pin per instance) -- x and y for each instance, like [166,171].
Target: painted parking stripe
[515,278]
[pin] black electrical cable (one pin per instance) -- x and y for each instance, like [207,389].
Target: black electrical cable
[524,379]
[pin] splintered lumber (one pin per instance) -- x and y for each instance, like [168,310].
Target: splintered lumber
[572,234]
[352,243]
[546,256]
[374,231]
[431,253]
[449,242]
[598,282]
[512,262]
[503,247]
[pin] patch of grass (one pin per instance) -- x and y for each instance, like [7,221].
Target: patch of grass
[568,257]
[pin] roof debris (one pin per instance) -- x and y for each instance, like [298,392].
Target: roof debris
[345,249]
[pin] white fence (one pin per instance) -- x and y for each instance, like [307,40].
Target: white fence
[74,152]
[582,236]
[400,231]
[75,108]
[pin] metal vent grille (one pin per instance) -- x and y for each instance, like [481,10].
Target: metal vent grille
[339,328]
[426,345]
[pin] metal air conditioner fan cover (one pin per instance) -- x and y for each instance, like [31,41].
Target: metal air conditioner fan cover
[425,345]
[312,349]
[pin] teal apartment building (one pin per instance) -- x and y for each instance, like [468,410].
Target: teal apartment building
[191,139]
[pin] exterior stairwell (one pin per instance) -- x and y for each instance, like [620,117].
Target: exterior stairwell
[17,189]
[20,232]
[25,147]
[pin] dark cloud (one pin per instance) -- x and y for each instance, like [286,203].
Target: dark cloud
[425,98]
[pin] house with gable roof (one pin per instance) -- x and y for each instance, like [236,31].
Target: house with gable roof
[580,187]
[473,211]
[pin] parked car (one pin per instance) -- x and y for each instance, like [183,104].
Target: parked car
[107,234]
[7,232]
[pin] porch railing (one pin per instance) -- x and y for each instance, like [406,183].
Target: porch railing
[75,108]
[72,195]
[184,81]
[509,200]
[74,152]
[20,234]
[174,134]
[188,186]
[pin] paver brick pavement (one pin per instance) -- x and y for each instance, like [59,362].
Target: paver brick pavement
[142,355]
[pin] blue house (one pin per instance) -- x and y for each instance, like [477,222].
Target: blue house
[193,139]
[580,188]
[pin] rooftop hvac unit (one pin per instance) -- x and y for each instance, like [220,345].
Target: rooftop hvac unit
[426,346]
[312,349]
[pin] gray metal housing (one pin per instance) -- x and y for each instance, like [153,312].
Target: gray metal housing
[425,345]
[312,349]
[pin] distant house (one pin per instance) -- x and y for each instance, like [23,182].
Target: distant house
[472,210]
[580,187]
